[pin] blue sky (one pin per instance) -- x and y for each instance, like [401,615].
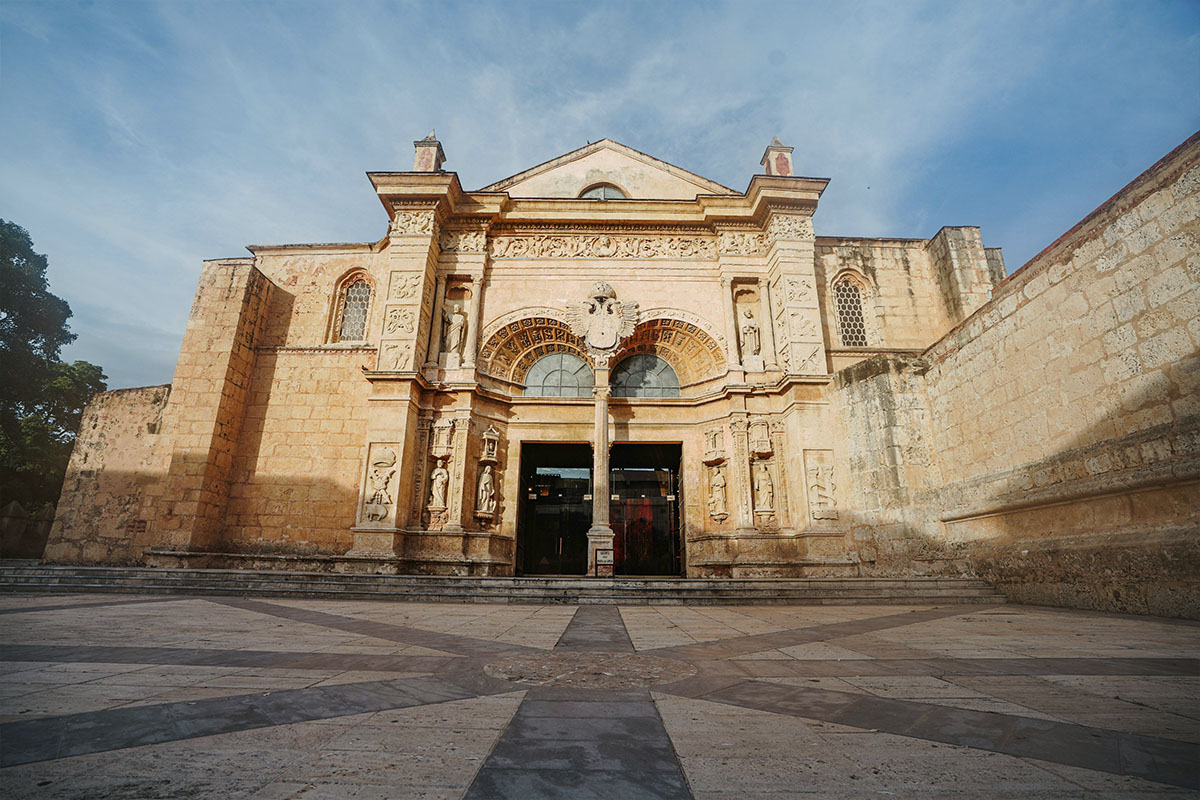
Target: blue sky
[139,138]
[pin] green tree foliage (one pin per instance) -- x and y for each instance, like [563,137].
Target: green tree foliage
[41,396]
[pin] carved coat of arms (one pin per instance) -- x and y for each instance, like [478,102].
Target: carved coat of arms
[601,320]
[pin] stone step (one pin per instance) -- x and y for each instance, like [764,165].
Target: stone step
[26,577]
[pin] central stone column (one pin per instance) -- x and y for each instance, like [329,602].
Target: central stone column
[600,535]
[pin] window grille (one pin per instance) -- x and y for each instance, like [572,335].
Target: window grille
[644,375]
[354,312]
[848,301]
[559,375]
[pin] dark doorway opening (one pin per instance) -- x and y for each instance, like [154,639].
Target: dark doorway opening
[556,508]
[644,509]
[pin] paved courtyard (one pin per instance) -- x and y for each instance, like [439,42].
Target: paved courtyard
[151,697]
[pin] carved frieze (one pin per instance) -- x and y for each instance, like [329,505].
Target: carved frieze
[617,245]
[462,241]
[800,291]
[741,243]
[412,222]
[390,355]
[789,226]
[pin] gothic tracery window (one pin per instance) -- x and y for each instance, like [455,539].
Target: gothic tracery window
[848,303]
[559,375]
[352,318]
[644,375]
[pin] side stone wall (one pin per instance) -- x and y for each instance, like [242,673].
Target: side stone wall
[105,515]
[296,470]
[1064,416]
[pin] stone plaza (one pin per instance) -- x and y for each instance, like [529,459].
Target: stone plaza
[175,696]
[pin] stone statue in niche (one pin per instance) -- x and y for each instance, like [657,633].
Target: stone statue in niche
[454,327]
[438,481]
[485,495]
[602,321]
[379,501]
[764,489]
[717,498]
[751,341]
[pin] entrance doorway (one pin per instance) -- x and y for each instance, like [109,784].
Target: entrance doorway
[556,508]
[644,509]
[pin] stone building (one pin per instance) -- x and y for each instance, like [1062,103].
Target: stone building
[608,364]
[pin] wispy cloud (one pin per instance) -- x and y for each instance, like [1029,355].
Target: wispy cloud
[142,137]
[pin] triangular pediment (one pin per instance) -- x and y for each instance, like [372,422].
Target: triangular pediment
[639,176]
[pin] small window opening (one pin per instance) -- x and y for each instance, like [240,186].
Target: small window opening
[354,312]
[848,302]
[603,191]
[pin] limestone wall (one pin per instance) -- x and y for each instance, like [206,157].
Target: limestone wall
[1064,416]
[296,470]
[105,515]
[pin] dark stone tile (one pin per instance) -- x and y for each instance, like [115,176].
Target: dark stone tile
[576,708]
[596,629]
[585,695]
[1091,748]
[701,684]
[1164,760]
[631,757]
[585,785]
[979,729]
[593,728]
[32,740]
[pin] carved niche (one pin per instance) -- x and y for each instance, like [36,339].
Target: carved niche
[718,496]
[487,482]
[378,501]
[760,437]
[818,470]
[714,446]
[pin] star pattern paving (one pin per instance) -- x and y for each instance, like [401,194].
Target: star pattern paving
[593,701]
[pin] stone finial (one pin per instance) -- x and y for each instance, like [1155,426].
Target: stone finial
[429,156]
[778,159]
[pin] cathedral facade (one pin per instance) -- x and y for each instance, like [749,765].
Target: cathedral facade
[603,365]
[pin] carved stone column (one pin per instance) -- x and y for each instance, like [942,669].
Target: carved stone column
[435,334]
[472,341]
[741,466]
[731,333]
[600,535]
[767,322]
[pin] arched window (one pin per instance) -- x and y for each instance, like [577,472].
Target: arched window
[352,317]
[644,375]
[848,303]
[559,375]
[603,191]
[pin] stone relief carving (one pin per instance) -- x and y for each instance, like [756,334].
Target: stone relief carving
[789,226]
[378,503]
[489,446]
[454,329]
[751,340]
[439,480]
[807,364]
[389,356]
[819,468]
[740,243]
[799,290]
[405,285]
[802,327]
[602,321]
[400,320]
[462,241]
[486,496]
[764,489]
[408,223]
[602,246]
[441,443]
[717,497]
